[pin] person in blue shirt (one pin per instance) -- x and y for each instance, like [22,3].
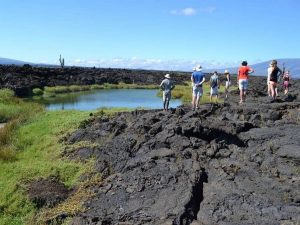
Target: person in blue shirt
[197,79]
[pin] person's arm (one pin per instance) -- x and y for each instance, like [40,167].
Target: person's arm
[162,85]
[202,81]
[251,70]
[192,79]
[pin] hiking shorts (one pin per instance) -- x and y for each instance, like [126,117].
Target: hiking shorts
[227,84]
[166,95]
[243,84]
[197,91]
[214,90]
[286,84]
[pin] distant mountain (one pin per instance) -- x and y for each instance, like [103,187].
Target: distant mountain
[293,65]
[5,61]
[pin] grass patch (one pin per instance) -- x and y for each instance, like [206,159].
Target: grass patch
[14,112]
[51,91]
[12,107]
[38,155]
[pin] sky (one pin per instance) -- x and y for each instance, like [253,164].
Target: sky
[149,34]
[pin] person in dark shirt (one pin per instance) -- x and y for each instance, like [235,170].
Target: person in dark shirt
[214,86]
[275,72]
[227,83]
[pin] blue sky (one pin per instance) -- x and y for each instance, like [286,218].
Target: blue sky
[150,34]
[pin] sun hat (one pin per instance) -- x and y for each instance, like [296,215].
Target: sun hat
[167,76]
[226,71]
[198,68]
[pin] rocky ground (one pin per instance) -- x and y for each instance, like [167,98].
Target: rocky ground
[225,164]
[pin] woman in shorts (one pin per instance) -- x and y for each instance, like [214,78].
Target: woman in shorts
[275,73]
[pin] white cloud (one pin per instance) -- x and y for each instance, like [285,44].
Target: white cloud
[192,11]
[184,12]
[156,64]
[189,12]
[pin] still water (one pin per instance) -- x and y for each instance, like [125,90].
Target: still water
[91,100]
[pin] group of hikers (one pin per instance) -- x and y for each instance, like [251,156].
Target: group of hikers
[275,74]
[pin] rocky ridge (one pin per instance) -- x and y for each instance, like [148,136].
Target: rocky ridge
[23,79]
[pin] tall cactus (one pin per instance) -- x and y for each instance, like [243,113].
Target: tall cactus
[61,61]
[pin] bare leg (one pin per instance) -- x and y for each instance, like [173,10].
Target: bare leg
[197,102]
[269,89]
[194,102]
[273,94]
[241,96]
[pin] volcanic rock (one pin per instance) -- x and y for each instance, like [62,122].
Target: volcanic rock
[222,164]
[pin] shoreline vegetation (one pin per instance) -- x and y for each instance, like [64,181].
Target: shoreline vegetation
[52,91]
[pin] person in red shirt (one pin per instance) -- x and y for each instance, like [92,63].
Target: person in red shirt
[242,79]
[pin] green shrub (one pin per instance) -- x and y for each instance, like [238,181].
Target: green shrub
[96,86]
[37,91]
[6,93]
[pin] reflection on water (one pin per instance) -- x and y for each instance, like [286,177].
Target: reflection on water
[90,100]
